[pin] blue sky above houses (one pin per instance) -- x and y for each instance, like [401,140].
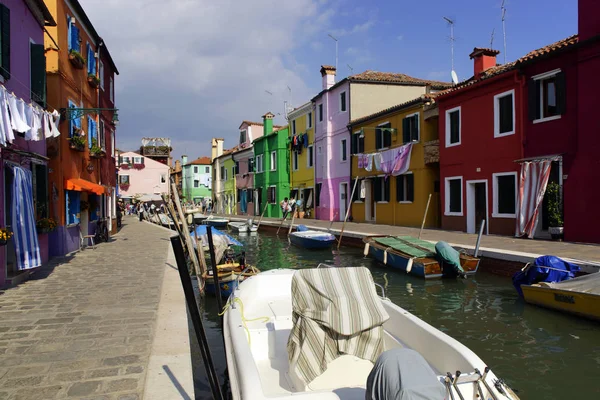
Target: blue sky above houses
[200,72]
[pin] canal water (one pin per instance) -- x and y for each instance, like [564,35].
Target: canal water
[540,353]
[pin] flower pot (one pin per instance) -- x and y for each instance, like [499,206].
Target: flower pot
[77,147]
[556,232]
[76,61]
[93,82]
[97,155]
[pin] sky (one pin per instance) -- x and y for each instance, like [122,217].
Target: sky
[191,70]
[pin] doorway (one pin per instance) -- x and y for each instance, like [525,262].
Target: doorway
[10,254]
[369,200]
[541,227]
[477,205]
[343,197]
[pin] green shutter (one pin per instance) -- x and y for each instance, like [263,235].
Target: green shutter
[38,74]
[5,33]
[378,137]
[406,134]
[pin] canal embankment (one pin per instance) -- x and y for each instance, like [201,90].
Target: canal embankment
[500,255]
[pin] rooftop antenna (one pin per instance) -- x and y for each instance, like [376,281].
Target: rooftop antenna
[291,103]
[492,39]
[351,69]
[451,23]
[504,27]
[336,49]
[266,91]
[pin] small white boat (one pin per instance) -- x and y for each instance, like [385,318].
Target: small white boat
[216,222]
[243,227]
[324,333]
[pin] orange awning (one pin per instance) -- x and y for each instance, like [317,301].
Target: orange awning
[81,185]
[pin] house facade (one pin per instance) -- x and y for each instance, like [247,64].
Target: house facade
[272,175]
[139,176]
[335,106]
[244,162]
[216,153]
[197,179]
[77,160]
[176,176]
[302,157]
[387,198]
[480,131]
[23,153]
[229,202]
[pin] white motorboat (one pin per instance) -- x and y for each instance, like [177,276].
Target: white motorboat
[243,227]
[324,333]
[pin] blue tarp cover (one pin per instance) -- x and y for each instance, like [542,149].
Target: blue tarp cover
[545,269]
[201,232]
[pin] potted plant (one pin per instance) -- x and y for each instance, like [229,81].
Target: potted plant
[124,186]
[555,216]
[76,59]
[124,166]
[138,166]
[5,235]
[96,151]
[93,80]
[77,142]
[45,225]
[84,205]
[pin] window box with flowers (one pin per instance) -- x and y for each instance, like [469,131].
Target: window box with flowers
[45,225]
[124,166]
[124,186]
[77,142]
[138,166]
[93,80]
[5,235]
[76,59]
[96,151]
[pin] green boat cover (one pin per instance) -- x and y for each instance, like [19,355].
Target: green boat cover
[408,245]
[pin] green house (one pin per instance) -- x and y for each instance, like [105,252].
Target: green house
[272,167]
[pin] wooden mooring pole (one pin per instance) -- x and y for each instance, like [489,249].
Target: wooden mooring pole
[425,216]
[347,213]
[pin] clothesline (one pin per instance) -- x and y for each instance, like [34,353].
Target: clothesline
[394,161]
[18,116]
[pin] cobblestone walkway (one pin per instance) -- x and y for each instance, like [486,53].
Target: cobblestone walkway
[83,327]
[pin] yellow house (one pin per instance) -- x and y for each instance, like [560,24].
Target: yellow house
[302,157]
[398,200]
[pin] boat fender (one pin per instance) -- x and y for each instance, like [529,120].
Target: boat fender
[366,252]
[409,265]
[385,255]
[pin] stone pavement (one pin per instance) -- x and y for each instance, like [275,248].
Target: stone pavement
[577,251]
[83,326]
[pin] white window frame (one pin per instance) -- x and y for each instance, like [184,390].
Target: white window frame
[112,143]
[102,134]
[258,168]
[128,179]
[275,197]
[245,136]
[310,160]
[405,189]
[382,136]
[295,160]
[112,90]
[293,127]
[448,112]
[163,178]
[418,114]
[309,120]
[343,94]
[383,190]
[101,73]
[343,144]
[447,211]
[207,170]
[497,98]
[136,159]
[225,173]
[542,77]
[495,193]
[273,161]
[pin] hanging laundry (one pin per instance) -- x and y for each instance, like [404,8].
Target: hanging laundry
[387,160]
[402,160]
[305,140]
[363,189]
[54,121]
[360,160]
[21,113]
[46,125]
[377,160]
[369,162]
[27,247]
[33,117]
[8,132]
[16,119]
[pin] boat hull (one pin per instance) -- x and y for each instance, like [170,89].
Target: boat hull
[427,268]
[216,223]
[311,243]
[227,283]
[568,301]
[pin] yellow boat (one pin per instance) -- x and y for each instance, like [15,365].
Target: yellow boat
[579,296]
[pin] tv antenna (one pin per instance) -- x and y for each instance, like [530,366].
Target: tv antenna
[504,27]
[351,69]
[290,90]
[267,92]
[492,39]
[336,49]
[451,23]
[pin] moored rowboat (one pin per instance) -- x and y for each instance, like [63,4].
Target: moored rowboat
[312,239]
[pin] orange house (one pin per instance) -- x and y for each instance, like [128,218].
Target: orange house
[79,196]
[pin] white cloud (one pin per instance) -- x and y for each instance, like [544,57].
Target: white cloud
[357,28]
[194,69]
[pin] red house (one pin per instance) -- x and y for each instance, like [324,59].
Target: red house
[480,134]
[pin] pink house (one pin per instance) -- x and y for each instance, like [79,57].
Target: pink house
[139,175]
[244,168]
[335,106]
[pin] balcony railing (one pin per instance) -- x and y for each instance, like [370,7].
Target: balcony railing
[431,152]
[156,150]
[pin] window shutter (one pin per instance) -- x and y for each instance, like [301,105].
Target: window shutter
[378,137]
[87,52]
[5,24]
[387,142]
[405,130]
[353,144]
[361,144]
[90,132]
[68,215]
[38,74]
[377,189]
[75,38]
[415,128]
[400,188]
[410,187]
[142,158]
[533,88]
[386,188]
[561,95]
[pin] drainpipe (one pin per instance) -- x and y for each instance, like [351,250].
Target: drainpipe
[521,81]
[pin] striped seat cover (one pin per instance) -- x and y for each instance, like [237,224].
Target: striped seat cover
[335,311]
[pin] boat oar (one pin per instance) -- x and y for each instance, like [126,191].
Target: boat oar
[479,238]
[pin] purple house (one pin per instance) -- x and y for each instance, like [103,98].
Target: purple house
[335,106]
[23,75]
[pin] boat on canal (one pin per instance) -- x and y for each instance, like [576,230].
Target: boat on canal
[419,257]
[216,222]
[311,239]
[230,276]
[324,333]
[243,227]
[199,217]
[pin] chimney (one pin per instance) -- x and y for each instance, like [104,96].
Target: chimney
[183,159]
[588,19]
[268,123]
[217,148]
[328,75]
[484,59]
[177,165]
